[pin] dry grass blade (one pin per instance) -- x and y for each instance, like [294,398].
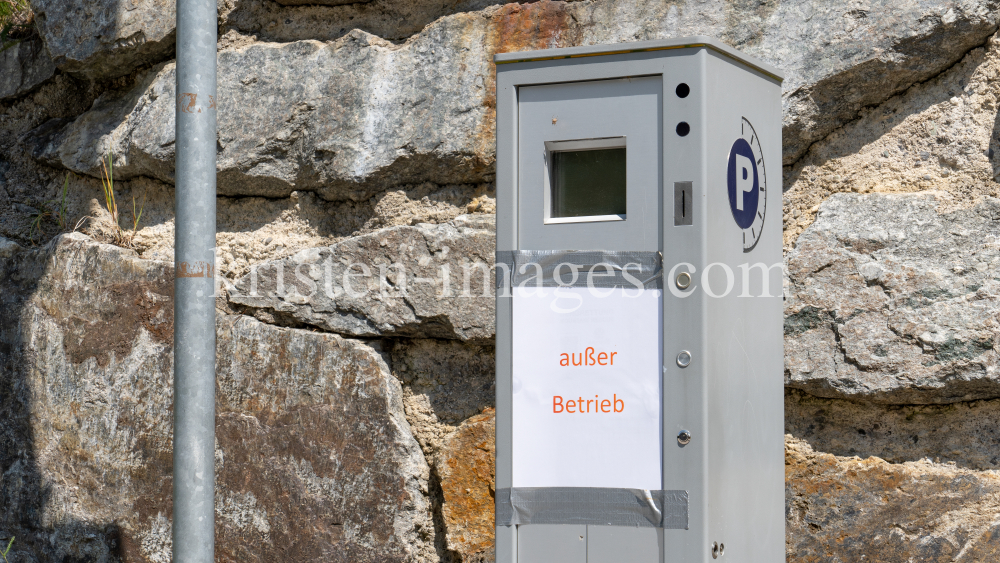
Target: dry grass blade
[118,236]
[108,184]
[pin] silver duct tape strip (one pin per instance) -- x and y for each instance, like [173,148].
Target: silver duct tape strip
[593,506]
[579,268]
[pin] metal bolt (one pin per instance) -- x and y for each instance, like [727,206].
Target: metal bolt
[715,550]
[722,549]
[683,280]
[684,438]
[684,359]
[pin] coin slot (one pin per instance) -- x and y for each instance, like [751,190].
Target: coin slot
[683,203]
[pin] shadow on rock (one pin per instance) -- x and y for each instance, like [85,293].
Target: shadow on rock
[44,526]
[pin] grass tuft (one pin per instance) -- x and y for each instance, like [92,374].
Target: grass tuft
[15,22]
[49,209]
[118,235]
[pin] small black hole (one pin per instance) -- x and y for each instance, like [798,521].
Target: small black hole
[683,128]
[683,90]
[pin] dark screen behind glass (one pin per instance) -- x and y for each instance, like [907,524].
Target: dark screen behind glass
[588,182]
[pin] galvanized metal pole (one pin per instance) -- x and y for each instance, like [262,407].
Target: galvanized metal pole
[194,285]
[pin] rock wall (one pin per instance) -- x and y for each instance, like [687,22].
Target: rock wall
[357,425]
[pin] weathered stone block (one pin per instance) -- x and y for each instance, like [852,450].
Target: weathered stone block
[849,509]
[315,460]
[839,58]
[345,119]
[24,67]
[427,281]
[106,38]
[468,483]
[892,300]
[424,110]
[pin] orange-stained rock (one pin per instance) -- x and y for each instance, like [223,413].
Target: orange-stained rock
[846,509]
[467,482]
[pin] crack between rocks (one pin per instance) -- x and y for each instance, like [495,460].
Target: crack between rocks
[312,5]
[900,92]
[843,351]
[436,494]
[287,320]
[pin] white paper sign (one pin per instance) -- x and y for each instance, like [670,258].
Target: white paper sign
[586,384]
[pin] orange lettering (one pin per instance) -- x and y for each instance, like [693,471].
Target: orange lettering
[589,357]
[581,405]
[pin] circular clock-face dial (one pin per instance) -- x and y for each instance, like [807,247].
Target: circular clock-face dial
[747,185]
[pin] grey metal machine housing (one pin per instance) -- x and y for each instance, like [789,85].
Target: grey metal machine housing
[679,107]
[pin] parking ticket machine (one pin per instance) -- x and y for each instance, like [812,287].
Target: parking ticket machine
[639,305]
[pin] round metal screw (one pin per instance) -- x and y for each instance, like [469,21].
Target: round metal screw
[722,549]
[684,359]
[684,438]
[683,280]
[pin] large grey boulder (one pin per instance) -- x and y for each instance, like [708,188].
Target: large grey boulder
[426,281]
[892,300]
[850,509]
[839,57]
[344,119]
[326,20]
[314,458]
[102,39]
[106,38]
[360,114]
[24,67]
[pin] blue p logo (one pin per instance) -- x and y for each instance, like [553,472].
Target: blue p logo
[744,184]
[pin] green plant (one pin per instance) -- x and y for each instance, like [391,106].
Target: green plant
[61,215]
[15,20]
[119,236]
[37,217]
[6,551]
[47,210]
